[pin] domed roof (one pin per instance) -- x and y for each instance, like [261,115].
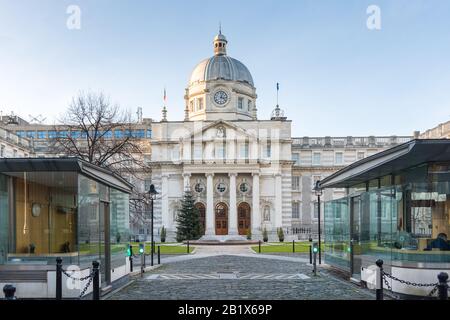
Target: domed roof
[221,67]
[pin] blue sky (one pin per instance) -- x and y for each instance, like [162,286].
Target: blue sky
[336,76]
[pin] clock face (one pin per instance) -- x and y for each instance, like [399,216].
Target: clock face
[221,97]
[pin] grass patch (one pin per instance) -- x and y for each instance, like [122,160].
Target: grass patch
[283,247]
[165,248]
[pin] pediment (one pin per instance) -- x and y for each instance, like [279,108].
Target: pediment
[221,129]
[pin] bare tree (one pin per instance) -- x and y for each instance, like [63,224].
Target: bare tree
[89,130]
[90,123]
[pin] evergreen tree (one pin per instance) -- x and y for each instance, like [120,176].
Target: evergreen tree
[189,227]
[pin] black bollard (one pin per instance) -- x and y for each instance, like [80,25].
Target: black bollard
[159,254]
[293,246]
[310,254]
[58,278]
[259,246]
[9,290]
[443,286]
[188,246]
[379,291]
[96,281]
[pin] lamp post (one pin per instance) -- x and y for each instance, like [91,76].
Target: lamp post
[152,195]
[318,192]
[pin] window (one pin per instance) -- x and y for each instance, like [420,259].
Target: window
[31,134]
[221,187]
[14,153]
[20,134]
[191,105]
[268,152]
[200,104]
[339,158]
[197,151]
[295,210]
[244,150]
[2,151]
[360,155]
[244,187]
[249,105]
[220,151]
[52,134]
[296,158]
[147,184]
[42,134]
[107,134]
[149,133]
[295,182]
[240,103]
[316,159]
[199,187]
[140,133]
[118,134]
[62,134]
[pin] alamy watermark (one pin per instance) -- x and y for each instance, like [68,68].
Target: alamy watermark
[374,19]
[74,20]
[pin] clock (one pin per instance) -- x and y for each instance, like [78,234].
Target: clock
[221,97]
[35,209]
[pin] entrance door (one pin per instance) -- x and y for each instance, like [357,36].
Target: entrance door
[202,214]
[243,218]
[221,219]
[355,237]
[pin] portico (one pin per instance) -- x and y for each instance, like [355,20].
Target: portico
[232,200]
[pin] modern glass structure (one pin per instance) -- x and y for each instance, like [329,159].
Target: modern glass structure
[397,209]
[62,207]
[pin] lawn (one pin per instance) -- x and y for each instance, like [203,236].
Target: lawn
[166,248]
[283,247]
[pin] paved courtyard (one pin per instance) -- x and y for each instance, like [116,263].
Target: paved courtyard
[236,273]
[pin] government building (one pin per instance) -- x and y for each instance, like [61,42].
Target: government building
[246,170]
[246,173]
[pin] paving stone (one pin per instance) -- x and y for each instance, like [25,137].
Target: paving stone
[305,287]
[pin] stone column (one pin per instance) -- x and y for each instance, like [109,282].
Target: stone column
[278,202]
[232,221]
[165,214]
[256,214]
[186,181]
[210,229]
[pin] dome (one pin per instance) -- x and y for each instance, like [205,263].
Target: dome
[221,67]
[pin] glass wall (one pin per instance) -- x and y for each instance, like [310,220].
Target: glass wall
[40,224]
[403,222]
[62,214]
[120,232]
[337,233]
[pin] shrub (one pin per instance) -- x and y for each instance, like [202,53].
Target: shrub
[163,234]
[249,234]
[265,236]
[280,234]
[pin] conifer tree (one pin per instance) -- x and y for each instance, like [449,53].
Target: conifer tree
[189,227]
